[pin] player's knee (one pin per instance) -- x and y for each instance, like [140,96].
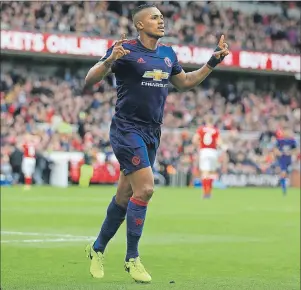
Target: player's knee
[146,193]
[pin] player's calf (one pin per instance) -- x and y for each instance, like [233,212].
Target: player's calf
[206,182]
[28,182]
[136,214]
[115,217]
[142,182]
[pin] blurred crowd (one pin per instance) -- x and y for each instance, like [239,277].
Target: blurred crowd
[63,117]
[198,23]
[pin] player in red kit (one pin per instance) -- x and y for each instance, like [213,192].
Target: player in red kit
[29,160]
[207,138]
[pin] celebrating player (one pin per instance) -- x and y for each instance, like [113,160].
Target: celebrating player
[207,139]
[143,68]
[285,147]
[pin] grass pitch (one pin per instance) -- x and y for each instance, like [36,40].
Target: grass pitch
[240,239]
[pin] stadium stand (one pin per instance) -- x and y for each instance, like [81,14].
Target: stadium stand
[31,103]
[47,98]
[200,23]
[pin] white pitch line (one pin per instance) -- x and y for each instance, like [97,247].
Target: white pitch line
[47,240]
[164,239]
[42,234]
[59,237]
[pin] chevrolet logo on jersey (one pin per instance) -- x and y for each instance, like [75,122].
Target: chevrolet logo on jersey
[156,75]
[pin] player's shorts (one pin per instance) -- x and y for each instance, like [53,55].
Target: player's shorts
[28,166]
[285,163]
[134,147]
[208,159]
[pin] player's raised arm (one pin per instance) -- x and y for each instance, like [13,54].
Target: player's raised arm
[102,68]
[186,81]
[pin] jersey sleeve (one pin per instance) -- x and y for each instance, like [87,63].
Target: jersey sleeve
[108,53]
[176,67]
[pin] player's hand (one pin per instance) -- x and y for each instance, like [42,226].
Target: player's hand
[223,48]
[219,54]
[118,50]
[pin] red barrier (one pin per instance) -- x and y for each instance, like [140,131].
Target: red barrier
[103,173]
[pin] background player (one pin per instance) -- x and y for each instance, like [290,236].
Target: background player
[207,138]
[29,160]
[285,149]
[143,69]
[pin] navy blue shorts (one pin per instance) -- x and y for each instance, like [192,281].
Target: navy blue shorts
[285,162]
[134,147]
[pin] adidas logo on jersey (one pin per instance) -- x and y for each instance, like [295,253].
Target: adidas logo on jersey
[141,60]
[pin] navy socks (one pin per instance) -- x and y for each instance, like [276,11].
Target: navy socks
[115,217]
[136,213]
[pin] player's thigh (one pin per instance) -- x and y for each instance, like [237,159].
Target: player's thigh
[142,182]
[28,166]
[130,151]
[213,163]
[124,190]
[24,164]
[204,162]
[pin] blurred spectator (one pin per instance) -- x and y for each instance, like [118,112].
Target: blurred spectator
[63,119]
[6,169]
[199,23]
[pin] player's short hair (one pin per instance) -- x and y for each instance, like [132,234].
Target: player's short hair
[142,7]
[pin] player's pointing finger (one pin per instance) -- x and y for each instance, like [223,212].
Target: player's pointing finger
[221,41]
[123,39]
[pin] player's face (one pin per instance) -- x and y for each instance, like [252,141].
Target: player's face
[153,23]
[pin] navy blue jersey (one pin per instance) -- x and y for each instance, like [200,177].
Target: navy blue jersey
[142,79]
[285,146]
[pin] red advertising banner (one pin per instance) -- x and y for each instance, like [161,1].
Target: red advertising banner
[54,43]
[59,44]
[241,59]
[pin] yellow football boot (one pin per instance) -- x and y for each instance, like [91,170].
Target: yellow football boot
[137,271]
[96,267]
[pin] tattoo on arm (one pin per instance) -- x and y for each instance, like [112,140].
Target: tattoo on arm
[108,63]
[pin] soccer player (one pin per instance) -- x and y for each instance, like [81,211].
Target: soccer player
[207,139]
[285,148]
[29,160]
[143,68]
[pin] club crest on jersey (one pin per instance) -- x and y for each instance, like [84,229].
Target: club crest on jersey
[136,160]
[167,61]
[157,75]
